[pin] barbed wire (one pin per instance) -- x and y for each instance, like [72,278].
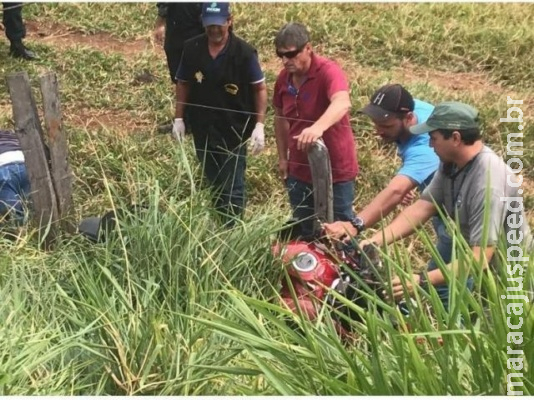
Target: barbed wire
[254,113]
[15,6]
[250,113]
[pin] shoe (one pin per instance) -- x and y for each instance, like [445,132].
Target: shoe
[18,50]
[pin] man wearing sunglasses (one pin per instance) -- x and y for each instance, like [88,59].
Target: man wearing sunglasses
[311,101]
[221,81]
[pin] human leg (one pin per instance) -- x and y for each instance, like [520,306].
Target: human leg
[225,172]
[231,180]
[302,202]
[16,31]
[444,249]
[343,200]
[12,20]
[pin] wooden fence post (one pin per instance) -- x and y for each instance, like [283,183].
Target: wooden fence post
[29,132]
[58,146]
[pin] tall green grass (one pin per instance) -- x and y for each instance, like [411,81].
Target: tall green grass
[175,304]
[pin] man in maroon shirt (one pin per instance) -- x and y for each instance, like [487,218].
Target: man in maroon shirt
[311,101]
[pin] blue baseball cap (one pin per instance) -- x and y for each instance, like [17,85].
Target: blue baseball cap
[215,13]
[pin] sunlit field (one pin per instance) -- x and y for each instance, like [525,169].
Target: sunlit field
[175,304]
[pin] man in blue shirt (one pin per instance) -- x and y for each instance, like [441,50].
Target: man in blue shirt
[393,111]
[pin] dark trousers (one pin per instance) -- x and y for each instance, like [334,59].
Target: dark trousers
[444,247]
[225,171]
[12,20]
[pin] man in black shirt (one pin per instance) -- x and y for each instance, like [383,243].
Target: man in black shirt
[221,80]
[176,23]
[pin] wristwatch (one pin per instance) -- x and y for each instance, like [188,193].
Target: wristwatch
[358,223]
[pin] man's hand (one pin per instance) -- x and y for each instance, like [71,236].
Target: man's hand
[398,290]
[178,129]
[283,166]
[159,30]
[367,242]
[257,139]
[339,229]
[409,198]
[307,137]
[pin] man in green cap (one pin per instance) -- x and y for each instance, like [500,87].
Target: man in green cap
[471,184]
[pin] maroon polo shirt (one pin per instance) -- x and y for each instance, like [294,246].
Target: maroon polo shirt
[305,106]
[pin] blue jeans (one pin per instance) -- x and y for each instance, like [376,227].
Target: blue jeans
[14,190]
[444,248]
[225,171]
[302,202]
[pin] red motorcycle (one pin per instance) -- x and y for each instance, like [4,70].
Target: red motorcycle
[315,266]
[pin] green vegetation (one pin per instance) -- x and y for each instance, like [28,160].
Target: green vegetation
[177,305]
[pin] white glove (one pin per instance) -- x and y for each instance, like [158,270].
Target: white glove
[257,139]
[178,129]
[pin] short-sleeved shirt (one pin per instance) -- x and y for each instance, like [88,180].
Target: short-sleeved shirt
[221,96]
[303,107]
[461,194]
[419,161]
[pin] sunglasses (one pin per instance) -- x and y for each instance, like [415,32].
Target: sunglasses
[289,54]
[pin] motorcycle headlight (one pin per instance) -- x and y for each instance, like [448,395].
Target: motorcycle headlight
[304,262]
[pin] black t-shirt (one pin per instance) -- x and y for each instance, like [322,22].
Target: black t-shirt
[8,142]
[183,21]
[221,93]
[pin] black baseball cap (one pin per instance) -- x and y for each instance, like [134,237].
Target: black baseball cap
[388,100]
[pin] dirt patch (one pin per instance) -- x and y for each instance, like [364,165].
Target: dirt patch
[120,121]
[61,37]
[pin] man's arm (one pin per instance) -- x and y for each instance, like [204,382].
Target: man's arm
[260,101]
[387,200]
[406,222]
[339,106]
[182,94]
[436,277]
[379,208]
[281,132]
[159,27]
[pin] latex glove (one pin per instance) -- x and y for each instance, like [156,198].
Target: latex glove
[257,139]
[178,129]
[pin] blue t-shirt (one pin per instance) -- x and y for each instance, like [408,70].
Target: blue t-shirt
[419,161]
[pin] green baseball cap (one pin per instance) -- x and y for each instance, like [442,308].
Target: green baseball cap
[448,115]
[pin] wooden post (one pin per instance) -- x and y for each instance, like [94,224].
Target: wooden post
[29,131]
[58,146]
[323,195]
